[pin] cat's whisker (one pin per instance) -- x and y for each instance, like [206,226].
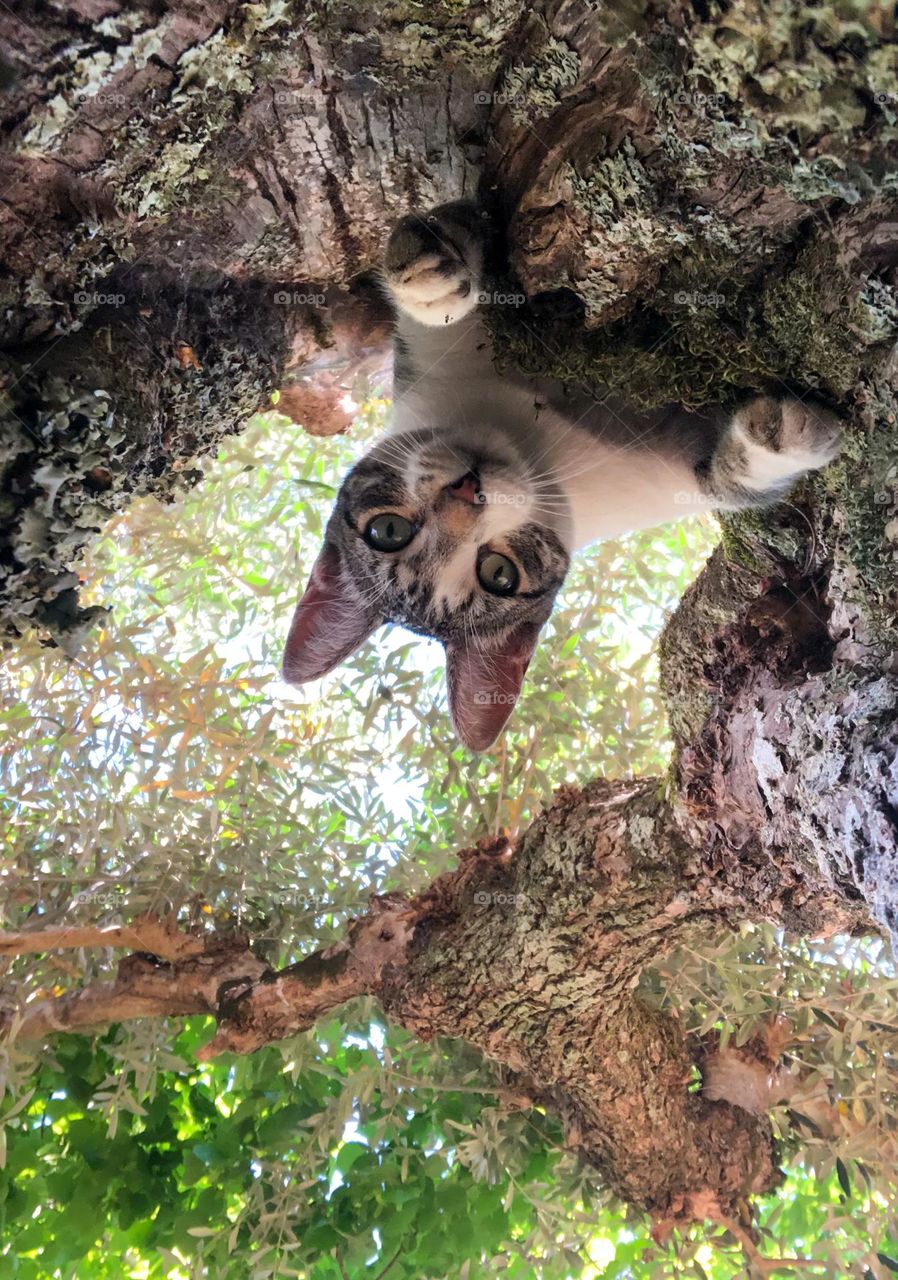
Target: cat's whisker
[398,449]
[586,448]
[370,599]
[443,442]
[552,479]
[554,441]
[550,515]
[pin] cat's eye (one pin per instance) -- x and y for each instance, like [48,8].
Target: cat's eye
[498,574]
[389,532]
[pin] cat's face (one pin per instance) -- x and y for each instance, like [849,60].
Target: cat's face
[453,539]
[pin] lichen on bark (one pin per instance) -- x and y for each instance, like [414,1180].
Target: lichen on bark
[76,444]
[690,197]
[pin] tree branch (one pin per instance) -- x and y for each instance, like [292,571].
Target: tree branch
[144,987]
[160,937]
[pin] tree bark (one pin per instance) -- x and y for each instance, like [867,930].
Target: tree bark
[695,202]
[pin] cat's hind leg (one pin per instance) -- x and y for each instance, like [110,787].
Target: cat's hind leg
[768,444]
[434,262]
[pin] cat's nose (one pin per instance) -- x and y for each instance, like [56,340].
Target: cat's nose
[468,489]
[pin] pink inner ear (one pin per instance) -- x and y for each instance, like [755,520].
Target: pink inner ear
[328,624]
[484,686]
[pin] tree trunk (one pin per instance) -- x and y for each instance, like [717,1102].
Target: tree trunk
[696,202]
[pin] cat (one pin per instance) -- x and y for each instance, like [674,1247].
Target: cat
[461,521]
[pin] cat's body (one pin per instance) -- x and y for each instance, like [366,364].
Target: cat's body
[461,521]
[622,470]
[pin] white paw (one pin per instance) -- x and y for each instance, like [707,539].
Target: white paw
[433,264]
[783,439]
[435,290]
[811,433]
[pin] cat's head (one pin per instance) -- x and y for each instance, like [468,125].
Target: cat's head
[462,544]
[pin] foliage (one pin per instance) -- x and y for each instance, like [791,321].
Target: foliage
[168,766]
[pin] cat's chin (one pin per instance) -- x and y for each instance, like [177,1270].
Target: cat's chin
[476,446]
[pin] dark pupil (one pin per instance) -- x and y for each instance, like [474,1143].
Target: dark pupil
[498,573]
[389,531]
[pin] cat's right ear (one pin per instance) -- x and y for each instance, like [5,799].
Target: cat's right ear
[329,623]
[484,684]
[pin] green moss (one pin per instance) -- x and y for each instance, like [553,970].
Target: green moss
[817,315]
[78,441]
[861,491]
[854,508]
[846,515]
[714,601]
[415,39]
[764,539]
[712,330]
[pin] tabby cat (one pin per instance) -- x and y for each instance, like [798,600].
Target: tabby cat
[461,521]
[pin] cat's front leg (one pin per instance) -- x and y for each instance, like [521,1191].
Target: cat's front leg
[434,262]
[769,444]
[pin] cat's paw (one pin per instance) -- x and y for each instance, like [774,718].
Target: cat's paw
[434,262]
[793,428]
[783,439]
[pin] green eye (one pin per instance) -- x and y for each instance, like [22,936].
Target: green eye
[498,575]
[388,533]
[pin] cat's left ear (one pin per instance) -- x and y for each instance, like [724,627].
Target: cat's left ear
[484,685]
[329,623]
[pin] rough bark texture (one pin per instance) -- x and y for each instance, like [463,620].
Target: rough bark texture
[700,200]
